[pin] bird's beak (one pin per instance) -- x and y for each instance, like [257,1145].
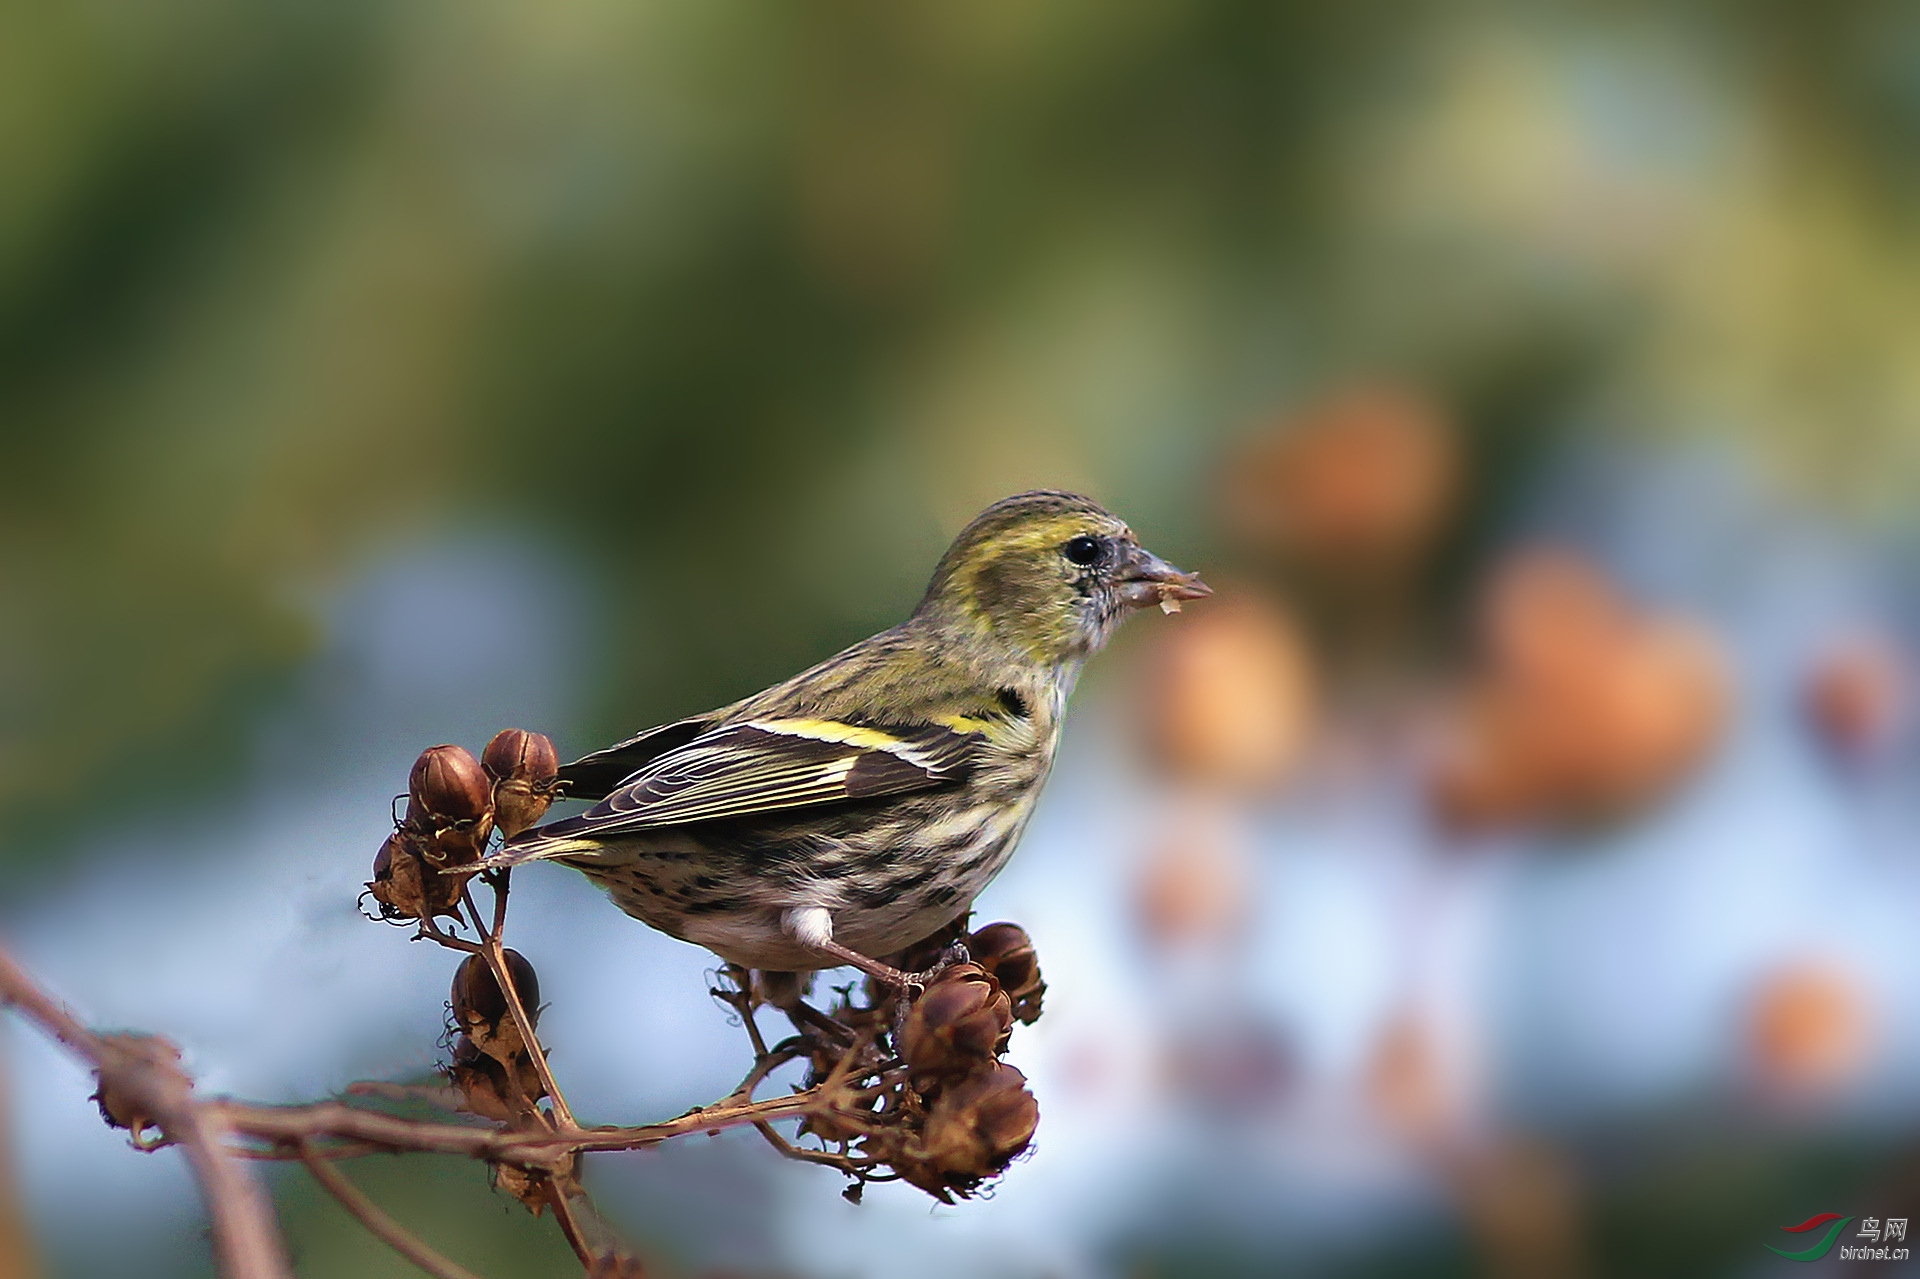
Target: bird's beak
[1146,579]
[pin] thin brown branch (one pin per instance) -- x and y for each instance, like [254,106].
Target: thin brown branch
[500,881]
[808,1018]
[570,1225]
[377,1222]
[844,1163]
[287,1126]
[495,953]
[765,1064]
[473,913]
[741,1000]
[593,1239]
[431,930]
[439,1096]
[332,1150]
[497,961]
[245,1233]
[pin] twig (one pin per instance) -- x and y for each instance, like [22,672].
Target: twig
[433,932]
[741,1000]
[332,1150]
[570,1226]
[286,1126]
[499,881]
[245,1234]
[439,1096]
[765,1064]
[830,1030]
[491,947]
[383,1227]
[844,1163]
[473,913]
[497,961]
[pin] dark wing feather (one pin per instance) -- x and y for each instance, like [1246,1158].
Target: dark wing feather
[598,775]
[761,766]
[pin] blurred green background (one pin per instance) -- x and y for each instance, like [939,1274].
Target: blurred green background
[750,309]
[737,313]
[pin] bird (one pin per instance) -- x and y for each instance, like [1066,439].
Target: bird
[842,815]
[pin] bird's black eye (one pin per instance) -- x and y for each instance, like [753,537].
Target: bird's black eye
[1082,550]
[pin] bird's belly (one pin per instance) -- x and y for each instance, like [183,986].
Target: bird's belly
[687,891]
[883,927]
[884,887]
[737,921]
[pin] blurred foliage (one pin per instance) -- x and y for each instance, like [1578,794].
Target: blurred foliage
[750,308]
[445,1200]
[1675,1209]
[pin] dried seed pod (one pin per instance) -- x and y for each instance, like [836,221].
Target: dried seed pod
[533,1188]
[1003,1113]
[480,1006]
[1007,953]
[486,1084]
[455,846]
[117,1108]
[447,787]
[525,770]
[960,1023]
[524,1184]
[406,884]
[481,1081]
[396,879]
[516,753]
[976,1129]
[519,805]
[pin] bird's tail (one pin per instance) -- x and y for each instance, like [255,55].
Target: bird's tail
[544,843]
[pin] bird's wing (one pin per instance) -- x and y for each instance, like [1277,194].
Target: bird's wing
[598,775]
[761,766]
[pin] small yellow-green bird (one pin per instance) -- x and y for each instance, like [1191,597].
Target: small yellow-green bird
[856,808]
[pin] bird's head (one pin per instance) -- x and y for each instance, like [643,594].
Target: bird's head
[1051,574]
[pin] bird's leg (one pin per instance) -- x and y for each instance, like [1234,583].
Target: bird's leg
[812,927]
[957,953]
[885,974]
[904,985]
